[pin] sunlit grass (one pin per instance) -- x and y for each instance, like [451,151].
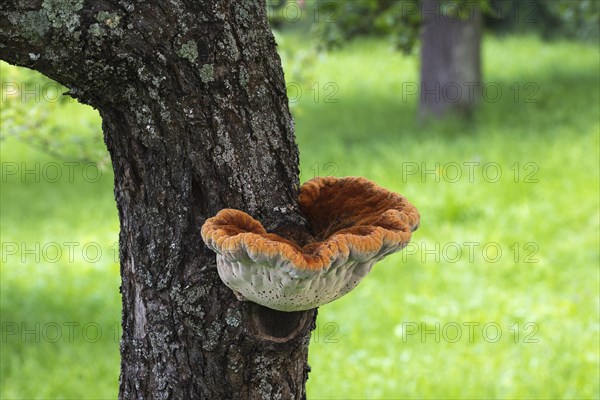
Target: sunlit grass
[59,301]
[542,213]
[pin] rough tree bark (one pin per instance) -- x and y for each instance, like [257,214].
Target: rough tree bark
[450,58]
[195,118]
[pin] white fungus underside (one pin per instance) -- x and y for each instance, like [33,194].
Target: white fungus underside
[286,288]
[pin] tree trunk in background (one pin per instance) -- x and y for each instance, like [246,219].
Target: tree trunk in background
[195,118]
[450,59]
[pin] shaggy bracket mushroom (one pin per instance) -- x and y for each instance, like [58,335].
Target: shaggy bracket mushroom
[354,223]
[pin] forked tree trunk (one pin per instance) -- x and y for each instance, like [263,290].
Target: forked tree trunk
[195,118]
[450,58]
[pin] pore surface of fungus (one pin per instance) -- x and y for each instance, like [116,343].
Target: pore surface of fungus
[354,223]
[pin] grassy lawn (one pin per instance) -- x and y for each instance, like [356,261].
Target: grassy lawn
[497,296]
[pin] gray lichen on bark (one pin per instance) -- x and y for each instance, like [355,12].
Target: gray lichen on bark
[63,13]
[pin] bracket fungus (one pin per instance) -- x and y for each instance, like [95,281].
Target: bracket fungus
[354,223]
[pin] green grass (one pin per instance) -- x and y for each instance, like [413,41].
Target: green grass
[363,346]
[59,300]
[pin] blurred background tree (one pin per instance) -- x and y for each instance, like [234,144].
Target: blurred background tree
[449,31]
[400,20]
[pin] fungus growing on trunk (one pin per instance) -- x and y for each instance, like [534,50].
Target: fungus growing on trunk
[354,223]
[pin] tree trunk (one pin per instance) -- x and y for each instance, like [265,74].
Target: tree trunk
[195,118]
[450,58]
